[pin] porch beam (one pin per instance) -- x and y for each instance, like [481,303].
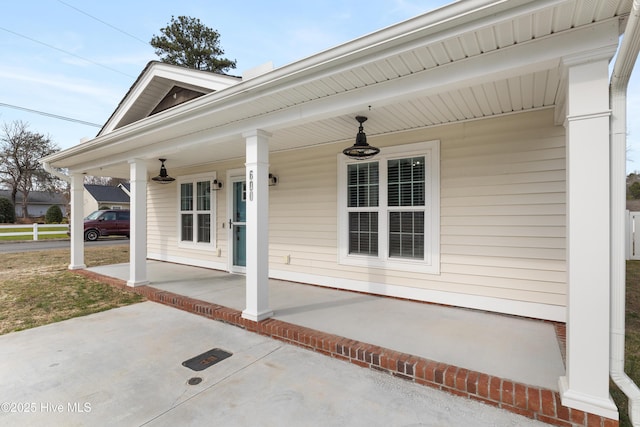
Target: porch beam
[201,126]
[77,222]
[257,243]
[586,383]
[138,224]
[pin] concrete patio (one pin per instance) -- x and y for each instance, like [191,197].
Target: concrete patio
[123,367]
[517,357]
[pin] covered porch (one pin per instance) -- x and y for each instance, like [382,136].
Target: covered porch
[515,200]
[505,361]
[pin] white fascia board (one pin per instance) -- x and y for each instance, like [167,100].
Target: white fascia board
[533,56]
[459,12]
[195,125]
[197,79]
[182,76]
[326,63]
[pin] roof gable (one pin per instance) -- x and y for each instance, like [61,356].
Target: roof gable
[104,193]
[162,86]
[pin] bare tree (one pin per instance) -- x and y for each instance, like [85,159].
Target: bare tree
[105,180]
[20,150]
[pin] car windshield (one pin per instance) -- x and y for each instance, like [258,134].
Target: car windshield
[94,215]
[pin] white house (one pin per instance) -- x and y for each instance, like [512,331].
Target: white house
[105,196]
[499,184]
[38,202]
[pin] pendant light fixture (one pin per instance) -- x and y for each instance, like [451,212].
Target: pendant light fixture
[163,177]
[361,150]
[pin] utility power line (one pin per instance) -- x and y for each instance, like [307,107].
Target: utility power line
[104,22]
[67,52]
[55,116]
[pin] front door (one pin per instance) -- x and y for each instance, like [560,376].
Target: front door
[238,227]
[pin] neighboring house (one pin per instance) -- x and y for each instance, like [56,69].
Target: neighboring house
[497,186]
[38,202]
[105,196]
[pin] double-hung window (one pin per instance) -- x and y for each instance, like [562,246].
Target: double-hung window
[389,209]
[197,209]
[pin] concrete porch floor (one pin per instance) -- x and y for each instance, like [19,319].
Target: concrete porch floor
[521,350]
[504,361]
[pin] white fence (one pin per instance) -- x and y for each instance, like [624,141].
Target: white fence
[33,230]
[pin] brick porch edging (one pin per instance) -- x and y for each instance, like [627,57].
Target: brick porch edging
[532,402]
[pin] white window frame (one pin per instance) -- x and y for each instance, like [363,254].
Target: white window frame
[194,179]
[431,263]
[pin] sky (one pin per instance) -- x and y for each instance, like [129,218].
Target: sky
[77,59]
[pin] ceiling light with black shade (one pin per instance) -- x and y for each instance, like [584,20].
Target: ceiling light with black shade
[361,150]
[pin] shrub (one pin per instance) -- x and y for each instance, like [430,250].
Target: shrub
[53,215]
[634,189]
[7,211]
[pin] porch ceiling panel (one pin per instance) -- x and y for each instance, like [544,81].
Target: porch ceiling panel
[412,78]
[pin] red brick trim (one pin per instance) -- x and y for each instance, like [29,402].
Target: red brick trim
[532,402]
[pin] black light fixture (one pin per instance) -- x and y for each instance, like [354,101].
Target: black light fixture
[164,177]
[361,150]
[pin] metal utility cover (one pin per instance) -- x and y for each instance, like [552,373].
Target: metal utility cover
[204,360]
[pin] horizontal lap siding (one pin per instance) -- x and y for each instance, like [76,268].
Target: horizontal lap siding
[503,207]
[502,211]
[162,217]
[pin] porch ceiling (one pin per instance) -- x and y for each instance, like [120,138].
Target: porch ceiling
[465,61]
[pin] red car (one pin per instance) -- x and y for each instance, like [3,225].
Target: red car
[106,223]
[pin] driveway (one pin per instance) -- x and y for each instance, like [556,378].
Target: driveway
[41,245]
[124,367]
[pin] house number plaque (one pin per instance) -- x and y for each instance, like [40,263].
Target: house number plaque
[251,185]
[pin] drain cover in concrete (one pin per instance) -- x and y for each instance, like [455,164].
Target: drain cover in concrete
[207,359]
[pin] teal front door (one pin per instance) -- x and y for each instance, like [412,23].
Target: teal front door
[239,225]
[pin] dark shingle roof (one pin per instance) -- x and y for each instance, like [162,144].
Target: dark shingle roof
[37,197]
[103,193]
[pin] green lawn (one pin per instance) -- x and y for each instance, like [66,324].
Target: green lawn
[29,229]
[36,288]
[632,339]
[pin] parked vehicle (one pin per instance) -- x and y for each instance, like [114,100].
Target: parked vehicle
[106,223]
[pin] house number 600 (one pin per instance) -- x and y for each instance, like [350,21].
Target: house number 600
[251,185]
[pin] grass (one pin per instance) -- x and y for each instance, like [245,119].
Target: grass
[632,339]
[29,228]
[40,237]
[36,288]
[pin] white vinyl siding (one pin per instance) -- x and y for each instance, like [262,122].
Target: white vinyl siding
[502,217]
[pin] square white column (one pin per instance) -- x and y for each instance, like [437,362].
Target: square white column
[77,222]
[138,224]
[586,384]
[257,244]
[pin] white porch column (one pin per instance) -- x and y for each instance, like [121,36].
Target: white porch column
[138,224]
[257,170]
[77,222]
[586,384]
